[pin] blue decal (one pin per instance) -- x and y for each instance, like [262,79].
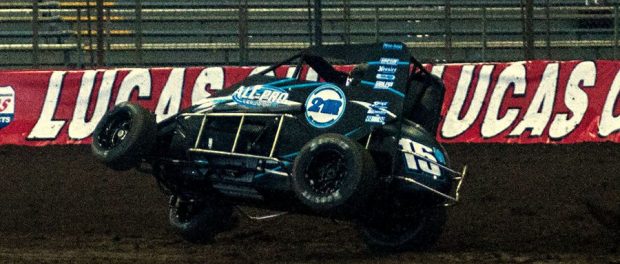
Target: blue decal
[259,96]
[440,157]
[377,112]
[301,85]
[281,81]
[388,62]
[325,106]
[7,105]
[387,77]
[392,46]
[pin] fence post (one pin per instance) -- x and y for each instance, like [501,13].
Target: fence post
[35,34]
[527,16]
[100,36]
[108,33]
[138,32]
[89,33]
[376,24]
[243,32]
[309,22]
[484,33]
[318,25]
[615,31]
[347,22]
[80,55]
[448,30]
[548,32]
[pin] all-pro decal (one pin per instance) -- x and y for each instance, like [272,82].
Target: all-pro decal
[424,159]
[7,105]
[259,96]
[325,106]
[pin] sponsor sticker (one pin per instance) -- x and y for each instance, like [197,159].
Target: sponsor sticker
[386,77]
[377,112]
[7,105]
[424,159]
[392,46]
[260,96]
[387,69]
[383,84]
[325,106]
[389,61]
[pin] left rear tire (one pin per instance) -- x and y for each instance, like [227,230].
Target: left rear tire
[199,221]
[394,227]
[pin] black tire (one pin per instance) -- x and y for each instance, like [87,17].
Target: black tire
[123,136]
[333,173]
[199,222]
[393,228]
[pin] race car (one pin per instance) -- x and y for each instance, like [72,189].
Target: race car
[356,146]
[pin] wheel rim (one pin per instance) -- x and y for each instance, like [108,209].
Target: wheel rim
[326,172]
[115,130]
[185,210]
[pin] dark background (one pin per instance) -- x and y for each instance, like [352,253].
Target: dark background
[520,203]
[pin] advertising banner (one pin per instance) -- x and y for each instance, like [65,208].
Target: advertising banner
[521,102]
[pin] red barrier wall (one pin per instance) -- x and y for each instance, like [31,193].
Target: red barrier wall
[521,102]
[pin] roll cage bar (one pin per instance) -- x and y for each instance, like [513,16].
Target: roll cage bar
[315,58]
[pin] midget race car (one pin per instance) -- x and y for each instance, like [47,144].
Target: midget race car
[357,147]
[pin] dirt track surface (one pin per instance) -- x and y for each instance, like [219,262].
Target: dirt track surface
[521,204]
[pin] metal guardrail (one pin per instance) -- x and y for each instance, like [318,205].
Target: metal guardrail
[74,29]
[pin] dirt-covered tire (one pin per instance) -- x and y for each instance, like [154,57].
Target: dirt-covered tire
[199,222]
[394,229]
[123,136]
[333,173]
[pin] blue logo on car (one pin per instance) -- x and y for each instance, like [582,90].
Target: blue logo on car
[325,106]
[392,46]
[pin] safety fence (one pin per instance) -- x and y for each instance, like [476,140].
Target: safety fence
[97,33]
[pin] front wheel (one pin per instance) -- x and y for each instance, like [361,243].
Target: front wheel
[123,136]
[333,174]
[396,227]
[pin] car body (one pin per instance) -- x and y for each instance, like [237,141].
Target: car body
[342,147]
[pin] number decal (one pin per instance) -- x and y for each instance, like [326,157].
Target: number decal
[325,106]
[420,161]
[316,105]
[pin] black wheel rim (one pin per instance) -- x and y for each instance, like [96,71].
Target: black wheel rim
[185,210]
[115,130]
[326,172]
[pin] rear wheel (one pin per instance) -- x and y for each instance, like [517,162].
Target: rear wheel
[333,173]
[397,227]
[123,136]
[200,221]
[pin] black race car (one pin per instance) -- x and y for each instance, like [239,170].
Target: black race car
[355,146]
